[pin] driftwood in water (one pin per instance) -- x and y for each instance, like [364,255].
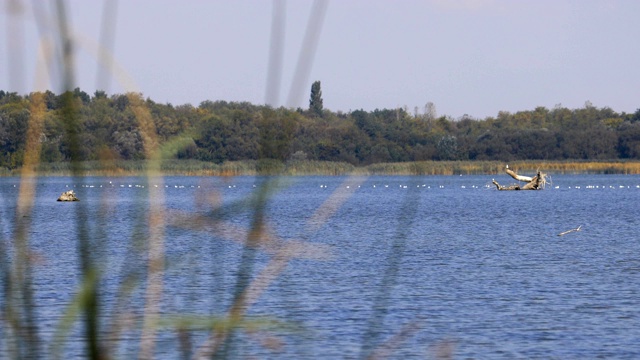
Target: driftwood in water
[532,183]
[570,231]
[68,196]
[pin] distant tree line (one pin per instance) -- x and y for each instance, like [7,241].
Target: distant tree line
[219,131]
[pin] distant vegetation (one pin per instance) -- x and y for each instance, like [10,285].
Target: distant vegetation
[303,140]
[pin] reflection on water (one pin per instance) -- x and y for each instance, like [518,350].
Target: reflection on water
[476,269]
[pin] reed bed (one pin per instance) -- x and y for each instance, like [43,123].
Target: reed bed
[585,167]
[327,168]
[496,167]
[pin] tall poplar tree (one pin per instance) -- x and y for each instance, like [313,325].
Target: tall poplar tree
[315,101]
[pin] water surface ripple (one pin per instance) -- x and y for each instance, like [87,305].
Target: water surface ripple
[446,260]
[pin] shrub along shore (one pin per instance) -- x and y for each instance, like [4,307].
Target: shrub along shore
[308,167]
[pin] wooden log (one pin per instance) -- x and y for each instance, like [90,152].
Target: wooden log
[532,183]
[535,183]
[518,177]
[570,231]
[500,187]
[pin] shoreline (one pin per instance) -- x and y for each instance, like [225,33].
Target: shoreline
[324,168]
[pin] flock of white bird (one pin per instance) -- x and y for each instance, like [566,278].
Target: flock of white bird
[384,186]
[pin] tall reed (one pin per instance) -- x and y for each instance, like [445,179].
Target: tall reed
[327,168]
[101,329]
[107,329]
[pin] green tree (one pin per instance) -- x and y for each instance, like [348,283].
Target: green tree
[14,118]
[315,102]
[276,135]
[629,140]
[448,148]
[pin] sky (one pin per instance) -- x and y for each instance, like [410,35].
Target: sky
[467,57]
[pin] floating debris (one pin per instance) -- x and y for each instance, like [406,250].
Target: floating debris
[570,231]
[532,183]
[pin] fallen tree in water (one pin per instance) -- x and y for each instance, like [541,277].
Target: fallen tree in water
[532,183]
[570,231]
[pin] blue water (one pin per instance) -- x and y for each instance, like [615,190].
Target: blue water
[400,266]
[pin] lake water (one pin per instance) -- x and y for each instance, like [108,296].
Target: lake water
[402,267]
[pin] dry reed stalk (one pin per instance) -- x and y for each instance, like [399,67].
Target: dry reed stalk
[387,348]
[156,263]
[283,252]
[21,283]
[334,202]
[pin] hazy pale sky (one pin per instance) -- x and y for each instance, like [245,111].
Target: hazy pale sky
[475,57]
